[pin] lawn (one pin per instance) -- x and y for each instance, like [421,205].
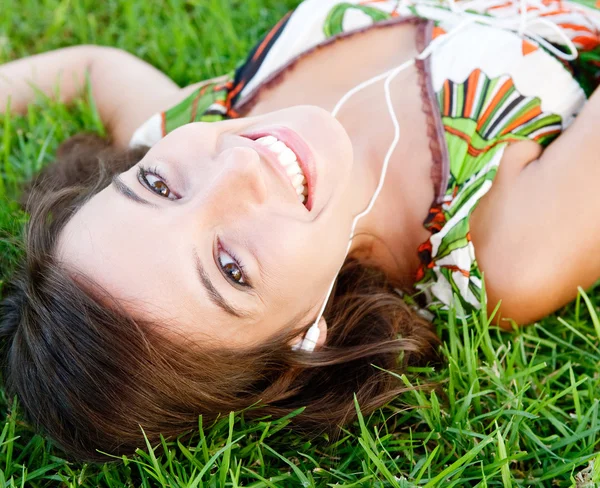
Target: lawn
[510,409]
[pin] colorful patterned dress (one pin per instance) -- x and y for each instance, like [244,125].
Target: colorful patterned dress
[484,87]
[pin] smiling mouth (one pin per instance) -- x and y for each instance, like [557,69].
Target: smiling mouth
[293,156]
[289,161]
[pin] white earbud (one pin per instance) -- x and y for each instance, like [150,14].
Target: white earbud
[309,341]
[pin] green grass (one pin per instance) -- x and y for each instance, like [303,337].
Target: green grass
[514,409]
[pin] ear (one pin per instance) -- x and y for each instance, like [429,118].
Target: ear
[313,339]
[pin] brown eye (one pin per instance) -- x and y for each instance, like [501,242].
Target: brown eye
[231,268]
[156,184]
[233,271]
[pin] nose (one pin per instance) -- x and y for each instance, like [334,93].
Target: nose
[241,178]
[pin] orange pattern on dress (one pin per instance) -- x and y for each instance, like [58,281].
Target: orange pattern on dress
[268,37]
[586,42]
[471,150]
[453,267]
[575,27]
[527,116]
[528,47]
[235,91]
[507,85]
[471,92]
[503,5]
[436,219]
[438,31]
[163,123]
[195,106]
[447,97]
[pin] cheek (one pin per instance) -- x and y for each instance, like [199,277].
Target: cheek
[299,265]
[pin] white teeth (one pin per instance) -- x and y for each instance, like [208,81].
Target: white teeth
[297,180]
[292,170]
[287,156]
[278,147]
[267,140]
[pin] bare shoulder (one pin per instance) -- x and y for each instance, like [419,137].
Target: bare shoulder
[536,232]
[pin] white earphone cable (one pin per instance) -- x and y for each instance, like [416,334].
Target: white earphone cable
[523,22]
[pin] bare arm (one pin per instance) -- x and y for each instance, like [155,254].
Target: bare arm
[127,90]
[539,232]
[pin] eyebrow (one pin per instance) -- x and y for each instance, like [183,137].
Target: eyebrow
[127,192]
[213,293]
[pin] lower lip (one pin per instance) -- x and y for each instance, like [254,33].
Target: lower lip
[305,156]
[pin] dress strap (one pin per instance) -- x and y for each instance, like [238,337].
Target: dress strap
[248,68]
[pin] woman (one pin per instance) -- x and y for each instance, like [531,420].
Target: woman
[177,278]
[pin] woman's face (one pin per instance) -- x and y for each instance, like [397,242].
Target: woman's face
[207,235]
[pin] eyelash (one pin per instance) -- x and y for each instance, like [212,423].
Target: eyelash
[143,173]
[238,263]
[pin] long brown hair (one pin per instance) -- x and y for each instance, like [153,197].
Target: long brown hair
[89,375]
